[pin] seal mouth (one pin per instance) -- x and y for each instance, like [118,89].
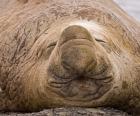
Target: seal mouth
[81,88]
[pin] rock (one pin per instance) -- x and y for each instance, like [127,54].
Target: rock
[72,112]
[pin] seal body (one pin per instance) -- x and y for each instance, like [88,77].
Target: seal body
[68,53]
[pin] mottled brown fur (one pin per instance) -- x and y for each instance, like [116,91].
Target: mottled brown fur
[31,35]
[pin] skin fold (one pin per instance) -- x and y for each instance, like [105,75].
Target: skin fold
[68,53]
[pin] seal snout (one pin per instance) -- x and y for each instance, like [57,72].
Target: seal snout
[78,68]
[76,49]
[74,32]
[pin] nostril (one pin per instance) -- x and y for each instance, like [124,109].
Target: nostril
[77,59]
[81,78]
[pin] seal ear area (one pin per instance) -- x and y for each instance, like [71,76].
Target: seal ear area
[75,32]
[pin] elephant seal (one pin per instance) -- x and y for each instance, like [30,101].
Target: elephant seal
[81,53]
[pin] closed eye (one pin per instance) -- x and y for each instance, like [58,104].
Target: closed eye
[99,40]
[52,44]
[105,44]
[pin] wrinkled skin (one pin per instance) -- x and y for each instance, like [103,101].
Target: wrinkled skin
[68,53]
